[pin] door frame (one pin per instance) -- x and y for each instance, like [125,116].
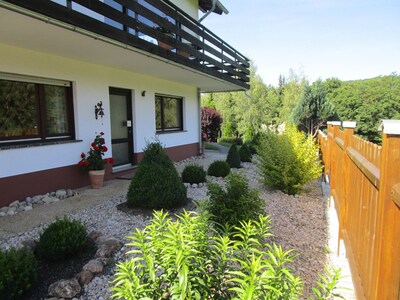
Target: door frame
[128,94]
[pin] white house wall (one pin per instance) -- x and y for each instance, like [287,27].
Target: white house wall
[90,85]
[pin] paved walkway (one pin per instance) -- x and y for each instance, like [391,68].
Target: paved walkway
[339,260]
[43,214]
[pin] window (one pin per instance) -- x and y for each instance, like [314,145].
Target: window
[34,109]
[168,113]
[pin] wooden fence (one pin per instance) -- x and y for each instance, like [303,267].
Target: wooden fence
[365,186]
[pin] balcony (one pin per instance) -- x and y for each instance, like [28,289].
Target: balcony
[155,28]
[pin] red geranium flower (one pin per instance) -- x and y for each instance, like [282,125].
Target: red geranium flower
[94,160]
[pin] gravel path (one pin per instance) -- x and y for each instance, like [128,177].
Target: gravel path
[299,223]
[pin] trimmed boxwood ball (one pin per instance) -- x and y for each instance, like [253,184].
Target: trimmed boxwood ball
[245,153]
[233,158]
[156,183]
[219,168]
[62,239]
[17,273]
[194,174]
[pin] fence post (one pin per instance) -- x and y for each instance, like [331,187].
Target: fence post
[332,126]
[345,177]
[387,265]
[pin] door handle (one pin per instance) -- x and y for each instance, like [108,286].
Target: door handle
[127,123]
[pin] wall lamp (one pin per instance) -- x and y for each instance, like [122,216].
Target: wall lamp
[143,93]
[98,110]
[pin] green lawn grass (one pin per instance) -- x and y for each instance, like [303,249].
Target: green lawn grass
[211,147]
[225,144]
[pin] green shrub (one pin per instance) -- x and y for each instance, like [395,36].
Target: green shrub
[255,142]
[288,161]
[238,203]
[62,239]
[17,273]
[233,158]
[186,259]
[231,140]
[245,153]
[219,168]
[194,174]
[156,183]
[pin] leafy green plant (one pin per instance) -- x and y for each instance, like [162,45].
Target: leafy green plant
[233,158]
[238,203]
[219,168]
[194,174]
[156,183]
[245,153]
[185,259]
[61,239]
[288,161]
[17,273]
[327,285]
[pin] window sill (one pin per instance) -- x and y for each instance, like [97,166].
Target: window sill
[170,131]
[36,144]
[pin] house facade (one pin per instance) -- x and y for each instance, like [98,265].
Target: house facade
[131,69]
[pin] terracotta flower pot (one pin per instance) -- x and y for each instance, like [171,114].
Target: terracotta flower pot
[165,46]
[96,178]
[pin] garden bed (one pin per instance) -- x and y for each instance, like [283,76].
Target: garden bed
[299,223]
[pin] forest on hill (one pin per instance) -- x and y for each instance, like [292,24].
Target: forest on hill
[308,105]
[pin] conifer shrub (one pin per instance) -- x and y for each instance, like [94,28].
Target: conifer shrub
[237,204]
[156,183]
[194,174]
[255,142]
[62,239]
[219,168]
[245,153]
[233,158]
[288,161]
[17,273]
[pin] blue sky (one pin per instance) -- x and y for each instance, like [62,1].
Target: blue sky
[347,39]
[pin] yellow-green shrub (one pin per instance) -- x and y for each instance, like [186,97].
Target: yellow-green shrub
[287,161]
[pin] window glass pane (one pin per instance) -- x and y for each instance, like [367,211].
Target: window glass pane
[18,109]
[158,113]
[56,109]
[172,113]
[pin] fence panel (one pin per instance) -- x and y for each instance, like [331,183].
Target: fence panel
[365,186]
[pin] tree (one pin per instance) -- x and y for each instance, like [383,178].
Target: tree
[313,109]
[367,102]
[292,90]
[210,122]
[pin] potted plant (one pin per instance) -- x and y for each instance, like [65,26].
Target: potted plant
[93,162]
[166,32]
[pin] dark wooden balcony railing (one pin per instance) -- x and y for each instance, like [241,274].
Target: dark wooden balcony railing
[138,23]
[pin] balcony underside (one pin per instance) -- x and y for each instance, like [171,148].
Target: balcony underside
[50,35]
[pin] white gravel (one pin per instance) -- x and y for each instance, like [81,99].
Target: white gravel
[299,223]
